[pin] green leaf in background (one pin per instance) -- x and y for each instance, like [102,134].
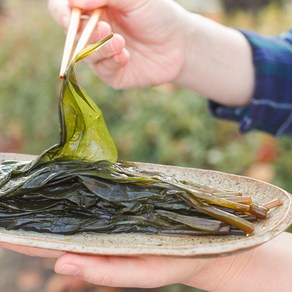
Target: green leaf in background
[84,134]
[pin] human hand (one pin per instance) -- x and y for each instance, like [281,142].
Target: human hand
[264,268]
[136,271]
[148,45]
[159,41]
[121,271]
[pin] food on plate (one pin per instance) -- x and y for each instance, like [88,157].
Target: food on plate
[79,185]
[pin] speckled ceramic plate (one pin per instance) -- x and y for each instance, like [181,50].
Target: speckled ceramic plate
[278,220]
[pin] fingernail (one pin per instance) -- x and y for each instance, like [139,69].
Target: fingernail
[69,270]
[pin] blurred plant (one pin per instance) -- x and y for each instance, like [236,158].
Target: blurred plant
[29,58]
[161,125]
[247,5]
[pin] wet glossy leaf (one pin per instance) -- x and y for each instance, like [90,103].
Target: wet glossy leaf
[84,134]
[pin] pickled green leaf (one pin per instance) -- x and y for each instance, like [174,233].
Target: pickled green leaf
[84,134]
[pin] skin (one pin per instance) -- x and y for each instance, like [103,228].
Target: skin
[151,47]
[265,268]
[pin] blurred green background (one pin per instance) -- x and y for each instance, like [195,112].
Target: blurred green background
[164,124]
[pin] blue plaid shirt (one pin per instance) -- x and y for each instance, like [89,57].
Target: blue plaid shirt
[270,109]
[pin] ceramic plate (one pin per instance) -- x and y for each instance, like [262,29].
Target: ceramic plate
[278,220]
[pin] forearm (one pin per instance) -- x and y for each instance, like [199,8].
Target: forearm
[265,268]
[218,62]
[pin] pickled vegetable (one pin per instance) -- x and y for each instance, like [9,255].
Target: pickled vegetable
[79,185]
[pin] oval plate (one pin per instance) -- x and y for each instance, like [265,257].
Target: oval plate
[278,221]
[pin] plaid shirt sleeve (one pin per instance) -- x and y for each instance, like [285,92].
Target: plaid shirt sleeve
[270,109]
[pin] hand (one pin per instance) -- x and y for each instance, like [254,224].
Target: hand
[264,268]
[118,271]
[153,31]
[158,41]
[137,271]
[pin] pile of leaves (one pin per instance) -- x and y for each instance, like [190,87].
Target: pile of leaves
[79,186]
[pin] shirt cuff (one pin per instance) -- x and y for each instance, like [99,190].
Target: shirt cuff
[270,109]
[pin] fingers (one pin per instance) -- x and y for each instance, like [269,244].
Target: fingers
[112,56]
[112,271]
[122,58]
[113,47]
[107,61]
[32,251]
[88,4]
[111,71]
[60,11]
[125,5]
[102,30]
[139,271]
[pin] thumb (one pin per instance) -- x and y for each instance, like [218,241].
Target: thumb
[125,5]
[60,11]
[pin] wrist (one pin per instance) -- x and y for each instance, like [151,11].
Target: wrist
[264,268]
[210,273]
[213,54]
[222,273]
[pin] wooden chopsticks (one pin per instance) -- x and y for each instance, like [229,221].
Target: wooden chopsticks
[75,17]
